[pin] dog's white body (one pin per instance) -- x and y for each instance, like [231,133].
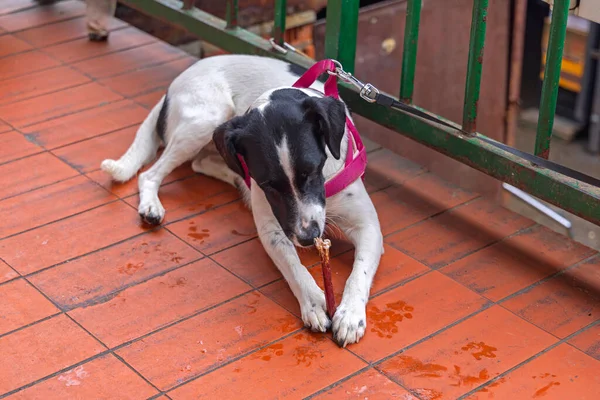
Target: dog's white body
[206,95]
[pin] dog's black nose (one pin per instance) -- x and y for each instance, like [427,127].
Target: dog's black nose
[308,235]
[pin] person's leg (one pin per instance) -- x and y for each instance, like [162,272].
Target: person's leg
[98,13]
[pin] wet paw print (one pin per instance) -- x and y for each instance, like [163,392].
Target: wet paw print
[469,380]
[130,268]
[383,322]
[544,389]
[481,350]
[266,354]
[197,234]
[307,354]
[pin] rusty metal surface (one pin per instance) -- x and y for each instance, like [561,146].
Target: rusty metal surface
[440,74]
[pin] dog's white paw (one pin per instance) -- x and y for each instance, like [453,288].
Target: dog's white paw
[314,312]
[115,170]
[152,212]
[349,323]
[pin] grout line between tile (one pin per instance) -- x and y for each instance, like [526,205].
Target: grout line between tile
[31,323]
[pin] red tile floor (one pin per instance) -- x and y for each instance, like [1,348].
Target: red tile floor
[470,301]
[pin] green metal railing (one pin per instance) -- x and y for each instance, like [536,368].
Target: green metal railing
[575,196]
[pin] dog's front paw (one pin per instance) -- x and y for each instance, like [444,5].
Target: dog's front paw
[349,323]
[314,312]
[151,212]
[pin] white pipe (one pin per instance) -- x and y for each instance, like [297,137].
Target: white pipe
[532,201]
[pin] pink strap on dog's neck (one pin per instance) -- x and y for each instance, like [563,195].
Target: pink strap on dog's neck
[356,156]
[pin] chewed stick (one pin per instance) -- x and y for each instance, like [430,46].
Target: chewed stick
[323,248]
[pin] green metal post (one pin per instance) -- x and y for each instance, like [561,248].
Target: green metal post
[232,14]
[341,32]
[475,63]
[556,44]
[409,53]
[279,23]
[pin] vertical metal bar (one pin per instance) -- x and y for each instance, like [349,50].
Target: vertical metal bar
[475,63]
[188,4]
[341,32]
[409,53]
[556,45]
[232,14]
[279,23]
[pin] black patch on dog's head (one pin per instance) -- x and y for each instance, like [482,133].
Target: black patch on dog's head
[298,128]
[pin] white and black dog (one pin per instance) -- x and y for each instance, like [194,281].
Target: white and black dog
[292,140]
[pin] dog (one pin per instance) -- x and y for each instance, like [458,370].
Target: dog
[231,112]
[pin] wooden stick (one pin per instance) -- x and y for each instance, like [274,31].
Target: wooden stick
[323,248]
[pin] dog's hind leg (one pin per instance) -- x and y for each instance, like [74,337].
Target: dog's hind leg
[141,152]
[186,140]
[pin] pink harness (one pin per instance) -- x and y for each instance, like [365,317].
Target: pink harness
[356,156]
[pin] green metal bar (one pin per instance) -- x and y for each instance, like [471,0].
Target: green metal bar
[232,14]
[279,23]
[409,53]
[475,63]
[556,44]
[571,195]
[341,32]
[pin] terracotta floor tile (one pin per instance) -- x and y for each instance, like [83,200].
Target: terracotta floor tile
[71,237]
[6,272]
[89,279]
[86,156]
[129,60]
[86,124]
[564,304]
[42,108]
[370,385]
[13,145]
[454,234]
[141,309]
[386,168]
[561,373]
[195,346]
[39,83]
[517,262]
[410,312]
[292,368]
[34,17]
[588,341]
[217,229]
[144,80]
[417,199]
[25,63]
[21,304]
[83,49]
[191,196]
[11,6]
[42,349]
[467,355]
[149,100]
[130,187]
[50,203]
[12,45]
[394,268]
[61,31]
[103,378]
[31,173]
[250,261]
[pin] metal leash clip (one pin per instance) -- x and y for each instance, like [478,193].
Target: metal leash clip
[367,91]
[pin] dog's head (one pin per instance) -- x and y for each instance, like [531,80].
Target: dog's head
[283,140]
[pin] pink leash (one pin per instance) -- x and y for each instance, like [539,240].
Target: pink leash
[356,156]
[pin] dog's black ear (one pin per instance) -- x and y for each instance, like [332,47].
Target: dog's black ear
[329,117]
[227,140]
